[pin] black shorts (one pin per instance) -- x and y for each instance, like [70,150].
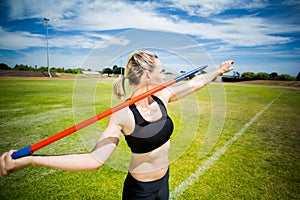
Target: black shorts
[153,190]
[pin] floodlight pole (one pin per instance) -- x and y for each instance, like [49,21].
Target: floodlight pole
[121,58]
[46,22]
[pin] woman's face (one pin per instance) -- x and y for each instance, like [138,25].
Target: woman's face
[157,73]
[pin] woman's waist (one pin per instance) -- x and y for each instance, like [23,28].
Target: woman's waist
[152,165]
[150,174]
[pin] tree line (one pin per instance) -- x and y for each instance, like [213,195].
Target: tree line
[21,67]
[249,76]
[246,76]
[114,70]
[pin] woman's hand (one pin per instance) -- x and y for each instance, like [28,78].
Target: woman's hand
[225,67]
[9,165]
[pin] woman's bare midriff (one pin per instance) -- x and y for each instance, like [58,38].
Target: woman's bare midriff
[150,166]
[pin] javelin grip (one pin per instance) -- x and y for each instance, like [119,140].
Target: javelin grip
[22,153]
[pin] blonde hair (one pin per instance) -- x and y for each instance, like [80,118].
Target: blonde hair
[137,63]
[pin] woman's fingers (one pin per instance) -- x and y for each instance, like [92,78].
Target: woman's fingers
[230,62]
[226,66]
[6,163]
[3,171]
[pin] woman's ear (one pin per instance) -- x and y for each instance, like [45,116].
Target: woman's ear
[147,75]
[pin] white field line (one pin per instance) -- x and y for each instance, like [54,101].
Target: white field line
[178,191]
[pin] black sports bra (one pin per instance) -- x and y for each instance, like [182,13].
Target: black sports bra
[148,136]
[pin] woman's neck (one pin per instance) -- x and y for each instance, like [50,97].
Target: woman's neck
[138,90]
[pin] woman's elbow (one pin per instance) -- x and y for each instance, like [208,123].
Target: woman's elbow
[96,164]
[96,167]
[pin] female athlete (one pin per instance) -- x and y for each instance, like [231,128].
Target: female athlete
[146,126]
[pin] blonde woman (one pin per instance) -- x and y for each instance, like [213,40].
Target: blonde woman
[146,126]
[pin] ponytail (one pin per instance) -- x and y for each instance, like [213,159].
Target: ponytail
[119,88]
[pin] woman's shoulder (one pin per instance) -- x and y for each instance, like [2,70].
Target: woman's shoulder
[164,95]
[124,118]
[121,115]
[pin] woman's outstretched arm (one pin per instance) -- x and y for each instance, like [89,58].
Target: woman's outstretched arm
[199,82]
[105,146]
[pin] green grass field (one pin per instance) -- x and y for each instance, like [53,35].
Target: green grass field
[263,163]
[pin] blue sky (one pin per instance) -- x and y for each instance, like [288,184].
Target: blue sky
[261,36]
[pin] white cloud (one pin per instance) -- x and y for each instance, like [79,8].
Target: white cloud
[208,8]
[107,15]
[291,2]
[76,24]
[19,40]
[250,31]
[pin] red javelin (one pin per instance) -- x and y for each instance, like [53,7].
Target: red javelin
[28,150]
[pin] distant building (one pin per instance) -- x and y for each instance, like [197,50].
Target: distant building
[90,73]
